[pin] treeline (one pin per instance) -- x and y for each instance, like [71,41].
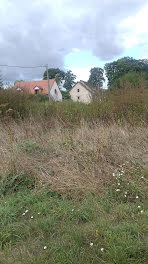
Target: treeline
[119,72]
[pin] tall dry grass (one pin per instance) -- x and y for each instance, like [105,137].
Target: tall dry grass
[82,158]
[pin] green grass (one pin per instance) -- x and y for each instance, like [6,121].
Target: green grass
[67,224]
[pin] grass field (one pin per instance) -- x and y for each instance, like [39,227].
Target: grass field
[73,181]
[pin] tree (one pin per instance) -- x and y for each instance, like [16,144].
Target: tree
[132,80]
[96,78]
[69,80]
[65,95]
[53,72]
[116,69]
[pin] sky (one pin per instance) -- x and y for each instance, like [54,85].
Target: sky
[69,34]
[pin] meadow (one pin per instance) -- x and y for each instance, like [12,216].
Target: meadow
[73,179]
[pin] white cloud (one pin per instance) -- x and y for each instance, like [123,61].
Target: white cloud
[37,32]
[135,29]
[82,73]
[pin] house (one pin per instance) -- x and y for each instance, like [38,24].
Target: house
[40,87]
[81,92]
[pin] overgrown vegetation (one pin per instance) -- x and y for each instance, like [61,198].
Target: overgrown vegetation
[129,104]
[73,179]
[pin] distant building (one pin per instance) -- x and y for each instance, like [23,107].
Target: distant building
[81,92]
[40,87]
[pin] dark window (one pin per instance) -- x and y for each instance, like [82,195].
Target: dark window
[36,91]
[78,90]
[55,91]
[78,97]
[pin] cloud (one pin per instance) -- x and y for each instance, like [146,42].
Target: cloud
[37,32]
[82,73]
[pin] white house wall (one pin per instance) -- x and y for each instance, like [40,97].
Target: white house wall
[83,94]
[56,95]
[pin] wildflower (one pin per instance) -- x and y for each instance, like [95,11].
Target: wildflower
[26,211]
[45,247]
[125,192]
[125,195]
[72,210]
[23,214]
[31,217]
[118,190]
[139,206]
[102,249]
[142,177]
[141,211]
[39,213]
[137,196]
[118,183]
[91,244]
[128,183]
[113,174]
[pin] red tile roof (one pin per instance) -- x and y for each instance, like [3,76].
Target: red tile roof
[29,86]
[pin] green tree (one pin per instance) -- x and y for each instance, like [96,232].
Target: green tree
[69,80]
[53,72]
[131,79]
[96,77]
[58,79]
[65,95]
[116,69]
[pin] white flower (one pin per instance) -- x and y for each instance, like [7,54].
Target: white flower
[125,192]
[26,211]
[141,211]
[137,196]
[91,244]
[128,183]
[113,174]
[72,210]
[23,214]
[139,206]
[31,217]
[118,190]
[39,213]
[45,247]
[118,183]
[125,195]
[142,177]
[102,249]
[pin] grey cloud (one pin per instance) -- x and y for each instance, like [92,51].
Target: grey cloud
[36,32]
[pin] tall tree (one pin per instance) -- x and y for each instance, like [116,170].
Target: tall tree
[96,78]
[116,69]
[69,80]
[52,72]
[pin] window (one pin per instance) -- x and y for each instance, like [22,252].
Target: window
[78,90]
[55,91]
[78,97]
[36,91]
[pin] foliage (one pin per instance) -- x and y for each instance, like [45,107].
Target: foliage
[53,72]
[96,78]
[134,79]
[65,95]
[129,104]
[116,69]
[69,80]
